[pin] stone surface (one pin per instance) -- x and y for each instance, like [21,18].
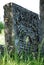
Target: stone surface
[1,49]
[22,28]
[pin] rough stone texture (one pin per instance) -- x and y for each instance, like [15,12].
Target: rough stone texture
[42,20]
[22,28]
[1,49]
[8,24]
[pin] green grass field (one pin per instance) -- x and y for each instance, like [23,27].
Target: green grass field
[7,60]
[15,59]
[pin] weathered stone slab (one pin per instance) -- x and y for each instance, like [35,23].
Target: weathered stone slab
[22,28]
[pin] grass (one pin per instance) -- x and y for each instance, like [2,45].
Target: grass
[2,38]
[15,59]
[7,60]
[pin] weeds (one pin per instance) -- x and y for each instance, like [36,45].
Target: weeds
[15,59]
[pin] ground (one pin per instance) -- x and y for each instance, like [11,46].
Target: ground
[15,59]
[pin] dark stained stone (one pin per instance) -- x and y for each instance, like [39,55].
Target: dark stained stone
[1,49]
[22,28]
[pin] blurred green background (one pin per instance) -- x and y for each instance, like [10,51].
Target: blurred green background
[2,35]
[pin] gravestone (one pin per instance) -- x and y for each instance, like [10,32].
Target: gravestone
[22,28]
